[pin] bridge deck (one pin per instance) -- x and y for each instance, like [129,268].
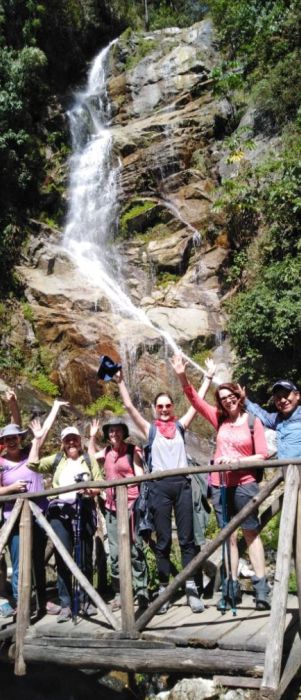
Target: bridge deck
[208,643]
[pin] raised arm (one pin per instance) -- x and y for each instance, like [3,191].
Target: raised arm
[48,422]
[199,404]
[142,424]
[13,406]
[191,413]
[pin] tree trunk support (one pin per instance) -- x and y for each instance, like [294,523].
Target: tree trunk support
[24,586]
[125,564]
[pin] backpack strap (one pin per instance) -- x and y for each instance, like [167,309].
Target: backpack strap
[130,453]
[57,459]
[87,459]
[251,422]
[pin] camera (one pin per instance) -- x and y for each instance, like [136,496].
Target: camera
[84,476]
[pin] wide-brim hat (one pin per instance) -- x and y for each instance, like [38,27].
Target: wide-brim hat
[111,424]
[107,368]
[12,429]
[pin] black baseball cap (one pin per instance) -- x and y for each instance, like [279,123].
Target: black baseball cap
[284,384]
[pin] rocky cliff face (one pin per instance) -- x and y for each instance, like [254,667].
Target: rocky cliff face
[171,245]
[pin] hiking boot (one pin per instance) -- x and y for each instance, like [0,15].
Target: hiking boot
[226,602]
[116,603]
[64,615]
[262,593]
[165,605]
[193,599]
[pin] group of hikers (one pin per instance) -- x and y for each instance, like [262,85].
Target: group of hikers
[240,439]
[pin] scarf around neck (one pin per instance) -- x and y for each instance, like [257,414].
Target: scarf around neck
[167,428]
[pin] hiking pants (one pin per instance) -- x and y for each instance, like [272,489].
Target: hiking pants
[139,567]
[166,495]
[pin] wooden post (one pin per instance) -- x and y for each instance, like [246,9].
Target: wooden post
[297,547]
[125,564]
[75,570]
[273,656]
[9,524]
[24,586]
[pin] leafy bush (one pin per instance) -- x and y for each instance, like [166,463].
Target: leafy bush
[44,384]
[105,403]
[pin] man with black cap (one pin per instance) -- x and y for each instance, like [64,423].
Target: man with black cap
[286,421]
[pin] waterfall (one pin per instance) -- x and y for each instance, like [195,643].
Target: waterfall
[93,210]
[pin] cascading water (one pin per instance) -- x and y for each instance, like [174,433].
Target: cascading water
[93,211]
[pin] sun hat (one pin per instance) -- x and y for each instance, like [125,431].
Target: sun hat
[12,429]
[284,384]
[70,430]
[107,368]
[111,424]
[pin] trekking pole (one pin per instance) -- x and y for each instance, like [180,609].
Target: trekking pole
[226,552]
[77,555]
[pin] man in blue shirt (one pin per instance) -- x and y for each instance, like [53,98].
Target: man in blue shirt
[286,421]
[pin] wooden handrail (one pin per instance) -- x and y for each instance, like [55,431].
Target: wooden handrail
[202,469]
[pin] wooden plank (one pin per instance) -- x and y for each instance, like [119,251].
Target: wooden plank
[207,550]
[237,681]
[273,656]
[24,586]
[87,642]
[75,570]
[125,563]
[9,524]
[183,660]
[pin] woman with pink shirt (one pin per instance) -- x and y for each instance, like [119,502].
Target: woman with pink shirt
[121,460]
[234,442]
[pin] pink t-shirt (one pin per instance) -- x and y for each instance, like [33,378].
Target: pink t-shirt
[117,466]
[18,471]
[233,441]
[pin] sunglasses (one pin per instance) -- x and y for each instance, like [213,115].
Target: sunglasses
[160,406]
[230,396]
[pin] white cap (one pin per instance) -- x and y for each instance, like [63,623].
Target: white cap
[70,430]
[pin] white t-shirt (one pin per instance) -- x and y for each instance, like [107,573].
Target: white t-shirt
[168,453]
[72,469]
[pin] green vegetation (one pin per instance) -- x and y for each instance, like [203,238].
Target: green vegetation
[261,203]
[135,218]
[164,279]
[44,384]
[105,403]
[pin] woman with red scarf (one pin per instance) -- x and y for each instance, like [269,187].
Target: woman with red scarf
[174,492]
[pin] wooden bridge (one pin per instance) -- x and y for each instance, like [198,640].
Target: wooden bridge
[254,649]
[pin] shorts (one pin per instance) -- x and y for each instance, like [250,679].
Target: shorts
[236,498]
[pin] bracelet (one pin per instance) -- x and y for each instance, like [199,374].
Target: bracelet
[208,376]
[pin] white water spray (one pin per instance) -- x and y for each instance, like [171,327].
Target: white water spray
[93,211]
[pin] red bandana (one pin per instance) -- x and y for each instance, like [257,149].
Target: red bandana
[167,428]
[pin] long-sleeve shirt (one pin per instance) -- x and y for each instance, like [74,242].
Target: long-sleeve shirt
[233,440]
[62,470]
[288,429]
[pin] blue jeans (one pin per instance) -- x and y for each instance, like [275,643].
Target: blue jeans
[38,556]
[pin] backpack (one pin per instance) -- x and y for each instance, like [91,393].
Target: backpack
[60,455]
[251,422]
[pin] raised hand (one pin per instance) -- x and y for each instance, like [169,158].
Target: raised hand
[94,427]
[243,393]
[118,377]
[210,367]
[10,396]
[36,428]
[59,403]
[178,364]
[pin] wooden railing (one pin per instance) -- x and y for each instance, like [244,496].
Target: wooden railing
[273,682]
